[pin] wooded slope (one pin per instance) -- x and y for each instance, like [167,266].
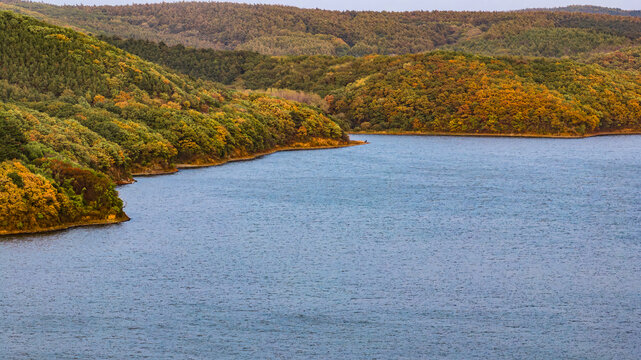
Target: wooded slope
[78,115]
[282,30]
[439,91]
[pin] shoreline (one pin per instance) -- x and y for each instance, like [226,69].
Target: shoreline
[540,136]
[156,172]
[244,158]
[62,227]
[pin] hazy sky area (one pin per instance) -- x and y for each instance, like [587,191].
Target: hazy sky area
[400,5]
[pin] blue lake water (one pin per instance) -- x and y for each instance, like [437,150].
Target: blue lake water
[408,247]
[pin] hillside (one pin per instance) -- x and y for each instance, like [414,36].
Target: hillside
[439,91]
[626,58]
[78,115]
[590,9]
[282,30]
[458,93]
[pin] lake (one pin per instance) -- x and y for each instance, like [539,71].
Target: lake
[409,247]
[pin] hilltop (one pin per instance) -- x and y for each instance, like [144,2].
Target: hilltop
[284,30]
[591,9]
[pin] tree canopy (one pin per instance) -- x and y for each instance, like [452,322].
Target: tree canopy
[440,91]
[285,30]
[78,114]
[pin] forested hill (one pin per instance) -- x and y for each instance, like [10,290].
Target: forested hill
[626,58]
[590,9]
[282,30]
[78,115]
[444,92]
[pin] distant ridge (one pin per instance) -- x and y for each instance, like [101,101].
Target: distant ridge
[591,9]
[286,30]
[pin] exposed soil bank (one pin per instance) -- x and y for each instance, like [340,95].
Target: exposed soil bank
[551,136]
[93,222]
[245,158]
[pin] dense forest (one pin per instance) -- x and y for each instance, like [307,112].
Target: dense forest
[283,30]
[437,91]
[591,9]
[78,115]
[626,58]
